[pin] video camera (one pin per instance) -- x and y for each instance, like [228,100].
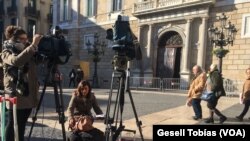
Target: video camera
[54,47]
[124,43]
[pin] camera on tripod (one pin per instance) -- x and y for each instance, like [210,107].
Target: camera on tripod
[127,48]
[54,47]
[125,44]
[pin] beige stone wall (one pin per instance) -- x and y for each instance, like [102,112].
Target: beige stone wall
[44,7]
[42,23]
[234,64]
[238,59]
[100,23]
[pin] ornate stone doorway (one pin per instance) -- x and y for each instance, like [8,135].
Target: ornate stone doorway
[169,55]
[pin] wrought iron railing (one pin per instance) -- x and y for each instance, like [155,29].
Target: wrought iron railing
[232,87]
[32,12]
[2,12]
[12,10]
[141,6]
[160,84]
[157,4]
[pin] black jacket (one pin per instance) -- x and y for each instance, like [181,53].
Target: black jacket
[217,83]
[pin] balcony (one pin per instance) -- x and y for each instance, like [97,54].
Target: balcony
[32,12]
[12,10]
[153,6]
[2,14]
[50,18]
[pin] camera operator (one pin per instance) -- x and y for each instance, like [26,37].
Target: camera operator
[20,77]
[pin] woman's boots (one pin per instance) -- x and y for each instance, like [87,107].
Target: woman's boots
[218,113]
[211,117]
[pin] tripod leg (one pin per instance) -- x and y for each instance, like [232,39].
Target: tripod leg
[108,121]
[138,123]
[111,130]
[119,105]
[34,118]
[60,107]
[107,118]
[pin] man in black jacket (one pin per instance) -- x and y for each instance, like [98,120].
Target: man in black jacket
[72,76]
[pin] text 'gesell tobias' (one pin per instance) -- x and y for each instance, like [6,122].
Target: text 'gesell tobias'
[201,132]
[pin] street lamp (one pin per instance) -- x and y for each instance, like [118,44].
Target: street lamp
[222,36]
[96,50]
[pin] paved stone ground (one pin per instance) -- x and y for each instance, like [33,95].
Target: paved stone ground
[153,108]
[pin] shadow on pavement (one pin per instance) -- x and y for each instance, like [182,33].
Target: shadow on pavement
[229,121]
[49,101]
[49,117]
[36,124]
[137,139]
[42,139]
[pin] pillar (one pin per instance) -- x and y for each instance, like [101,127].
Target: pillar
[203,43]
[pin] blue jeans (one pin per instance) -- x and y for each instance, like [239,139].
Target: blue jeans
[196,103]
[22,118]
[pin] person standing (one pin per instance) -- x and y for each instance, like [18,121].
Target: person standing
[20,70]
[245,96]
[195,91]
[72,77]
[215,85]
[79,75]
[58,75]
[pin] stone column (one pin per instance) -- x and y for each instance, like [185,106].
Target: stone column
[185,72]
[155,3]
[203,43]
[78,12]
[149,72]
[56,12]
[186,50]
[149,45]
[138,64]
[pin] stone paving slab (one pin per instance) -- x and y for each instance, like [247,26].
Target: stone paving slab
[48,128]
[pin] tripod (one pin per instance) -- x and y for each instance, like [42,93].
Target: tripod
[52,68]
[112,128]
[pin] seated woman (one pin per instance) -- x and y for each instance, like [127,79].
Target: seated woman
[81,103]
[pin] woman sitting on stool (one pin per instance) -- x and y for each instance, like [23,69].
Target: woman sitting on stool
[81,103]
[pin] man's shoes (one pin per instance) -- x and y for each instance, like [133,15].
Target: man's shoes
[209,120]
[222,119]
[239,118]
[196,118]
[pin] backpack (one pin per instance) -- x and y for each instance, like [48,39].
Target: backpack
[82,123]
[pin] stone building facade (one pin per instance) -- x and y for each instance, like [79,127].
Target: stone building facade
[26,13]
[172,35]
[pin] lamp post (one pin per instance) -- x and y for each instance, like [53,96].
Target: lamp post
[222,36]
[96,50]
